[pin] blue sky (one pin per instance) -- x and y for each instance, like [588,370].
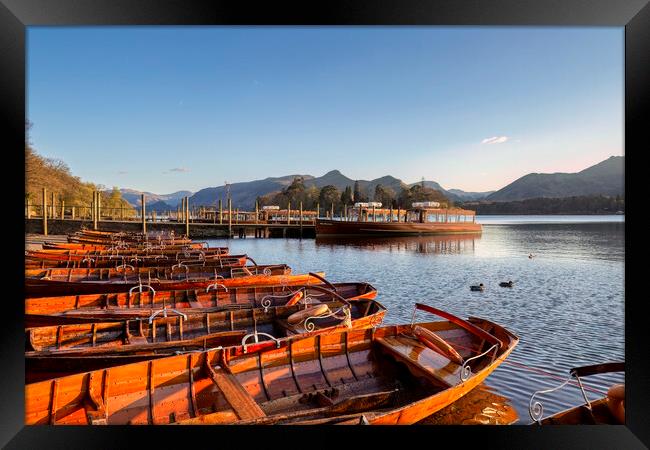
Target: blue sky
[163,109]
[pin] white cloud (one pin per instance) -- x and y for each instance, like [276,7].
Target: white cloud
[179,169]
[495,140]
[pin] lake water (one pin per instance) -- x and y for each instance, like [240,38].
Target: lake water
[567,303]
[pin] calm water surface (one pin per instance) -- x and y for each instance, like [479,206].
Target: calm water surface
[567,303]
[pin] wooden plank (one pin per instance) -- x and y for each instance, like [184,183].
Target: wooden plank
[415,354]
[238,398]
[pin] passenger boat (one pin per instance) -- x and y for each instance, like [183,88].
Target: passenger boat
[39,283]
[368,219]
[62,350]
[609,410]
[383,375]
[47,311]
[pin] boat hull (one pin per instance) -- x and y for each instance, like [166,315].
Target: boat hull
[326,227]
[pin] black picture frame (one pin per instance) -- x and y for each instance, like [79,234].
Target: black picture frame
[16,15]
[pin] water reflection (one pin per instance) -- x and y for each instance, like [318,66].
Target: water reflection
[442,244]
[481,406]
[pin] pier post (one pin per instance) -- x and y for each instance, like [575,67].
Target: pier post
[62,209]
[95,210]
[229,217]
[29,208]
[345,212]
[187,217]
[144,217]
[44,212]
[257,211]
[317,209]
[374,215]
[52,207]
[288,214]
[99,206]
[220,213]
[72,213]
[332,213]
[399,211]
[301,219]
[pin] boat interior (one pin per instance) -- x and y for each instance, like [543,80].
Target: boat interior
[322,378]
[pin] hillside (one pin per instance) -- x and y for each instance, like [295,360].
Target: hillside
[172,200]
[455,195]
[244,194]
[604,178]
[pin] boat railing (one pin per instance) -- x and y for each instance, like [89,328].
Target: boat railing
[216,286]
[466,369]
[140,286]
[164,313]
[255,335]
[346,318]
[267,300]
[536,408]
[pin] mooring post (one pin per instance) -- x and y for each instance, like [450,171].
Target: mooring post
[99,206]
[187,217]
[220,212]
[332,213]
[143,213]
[29,208]
[399,212]
[72,213]
[62,209]
[229,217]
[44,212]
[257,211]
[317,209]
[300,218]
[95,199]
[288,213]
[374,215]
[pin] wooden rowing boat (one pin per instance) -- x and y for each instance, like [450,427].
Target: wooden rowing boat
[375,376]
[113,261]
[62,350]
[47,245]
[46,311]
[39,283]
[592,412]
[160,253]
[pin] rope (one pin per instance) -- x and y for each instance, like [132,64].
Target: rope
[540,371]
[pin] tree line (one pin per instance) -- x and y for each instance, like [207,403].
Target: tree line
[55,176]
[330,195]
[588,204]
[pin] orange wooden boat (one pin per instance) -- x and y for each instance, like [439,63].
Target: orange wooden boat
[373,376]
[47,311]
[47,245]
[39,283]
[592,412]
[419,220]
[155,253]
[115,261]
[62,350]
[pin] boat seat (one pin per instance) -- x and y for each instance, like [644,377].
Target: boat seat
[290,330]
[415,353]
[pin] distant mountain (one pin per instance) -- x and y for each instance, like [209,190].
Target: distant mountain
[467,196]
[244,194]
[159,206]
[455,195]
[604,178]
[172,200]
